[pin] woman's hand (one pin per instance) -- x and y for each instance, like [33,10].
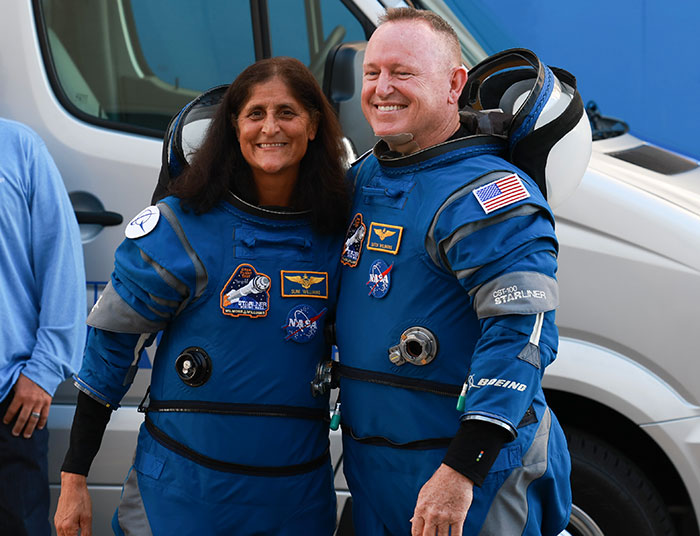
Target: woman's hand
[74,511]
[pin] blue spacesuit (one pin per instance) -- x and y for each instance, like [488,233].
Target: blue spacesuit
[449,289]
[233,441]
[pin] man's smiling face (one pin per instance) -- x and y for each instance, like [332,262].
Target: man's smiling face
[407,83]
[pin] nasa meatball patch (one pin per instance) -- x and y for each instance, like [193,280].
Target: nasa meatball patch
[303,322]
[379,278]
[247,293]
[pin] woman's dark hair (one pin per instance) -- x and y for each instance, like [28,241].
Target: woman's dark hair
[218,165]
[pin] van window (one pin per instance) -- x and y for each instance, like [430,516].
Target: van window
[136,63]
[308,30]
[132,64]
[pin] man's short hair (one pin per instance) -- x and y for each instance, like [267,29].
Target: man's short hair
[436,22]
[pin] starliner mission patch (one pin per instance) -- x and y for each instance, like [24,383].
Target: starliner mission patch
[353,242]
[247,293]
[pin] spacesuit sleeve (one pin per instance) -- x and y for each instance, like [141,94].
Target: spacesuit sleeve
[506,261]
[89,425]
[154,277]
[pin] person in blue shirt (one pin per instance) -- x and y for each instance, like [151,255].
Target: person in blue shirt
[239,271]
[42,319]
[445,318]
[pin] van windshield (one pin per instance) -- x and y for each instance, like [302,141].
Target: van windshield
[131,65]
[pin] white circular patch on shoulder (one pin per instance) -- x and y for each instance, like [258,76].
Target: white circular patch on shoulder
[143,223]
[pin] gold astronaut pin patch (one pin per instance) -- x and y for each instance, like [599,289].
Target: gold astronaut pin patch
[384,237]
[307,284]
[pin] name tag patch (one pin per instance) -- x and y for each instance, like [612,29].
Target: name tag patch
[384,237]
[247,293]
[308,284]
[303,322]
[353,242]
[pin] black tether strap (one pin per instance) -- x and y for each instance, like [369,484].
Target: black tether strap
[392,380]
[421,444]
[226,408]
[227,467]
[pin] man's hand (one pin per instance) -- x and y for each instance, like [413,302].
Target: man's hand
[31,404]
[74,510]
[443,503]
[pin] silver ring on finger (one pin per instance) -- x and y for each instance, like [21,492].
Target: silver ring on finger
[35,414]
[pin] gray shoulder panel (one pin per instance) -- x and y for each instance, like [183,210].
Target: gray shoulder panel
[112,313]
[519,293]
[169,279]
[199,268]
[465,230]
[431,245]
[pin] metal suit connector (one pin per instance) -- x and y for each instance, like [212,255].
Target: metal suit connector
[418,346]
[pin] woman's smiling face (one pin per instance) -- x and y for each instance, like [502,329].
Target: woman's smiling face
[274,130]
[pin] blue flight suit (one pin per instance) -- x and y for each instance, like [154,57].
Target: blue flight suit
[457,241]
[246,450]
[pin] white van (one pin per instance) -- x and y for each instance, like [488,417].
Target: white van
[100,79]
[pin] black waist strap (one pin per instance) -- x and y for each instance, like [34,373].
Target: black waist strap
[227,467]
[392,380]
[421,444]
[225,408]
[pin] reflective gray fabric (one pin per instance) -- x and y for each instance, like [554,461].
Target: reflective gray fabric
[503,424]
[169,279]
[111,313]
[201,272]
[431,245]
[531,354]
[520,293]
[165,303]
[509,510]
[464,231]
[132,514]
[463,274]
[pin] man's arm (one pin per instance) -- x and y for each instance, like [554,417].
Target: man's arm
[59,275]
[497,255]
[60,289]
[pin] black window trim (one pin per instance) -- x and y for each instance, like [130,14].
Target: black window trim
[261,29]
[262,44]
[365,22]
[50,66]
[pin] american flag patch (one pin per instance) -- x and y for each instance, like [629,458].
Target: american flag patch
[501,193]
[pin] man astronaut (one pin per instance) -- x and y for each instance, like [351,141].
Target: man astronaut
[465,243]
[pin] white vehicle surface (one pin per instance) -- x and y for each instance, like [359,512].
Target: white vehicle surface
[99,81]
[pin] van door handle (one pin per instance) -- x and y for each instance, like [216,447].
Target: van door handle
[99,217]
